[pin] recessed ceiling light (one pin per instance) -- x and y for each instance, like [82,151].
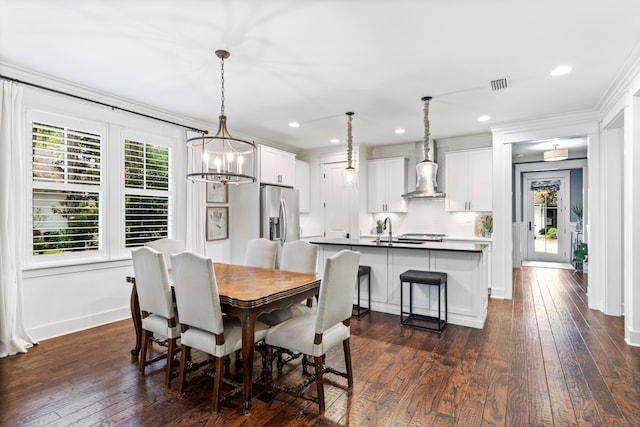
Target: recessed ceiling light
[561,70]
[484,118]
[399,131]
[294,124]
[335,140]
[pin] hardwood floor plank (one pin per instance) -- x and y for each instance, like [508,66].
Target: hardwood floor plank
[543,358]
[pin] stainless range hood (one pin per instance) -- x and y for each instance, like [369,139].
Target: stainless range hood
[426,170]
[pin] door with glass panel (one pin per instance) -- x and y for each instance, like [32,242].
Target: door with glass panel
[547,216]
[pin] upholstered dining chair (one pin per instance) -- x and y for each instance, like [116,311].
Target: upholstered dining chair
[301,257]
[159,317]
[167,247]
[261,253]
[203,326]
[315,333]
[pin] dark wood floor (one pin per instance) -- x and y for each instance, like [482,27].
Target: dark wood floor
[542,359]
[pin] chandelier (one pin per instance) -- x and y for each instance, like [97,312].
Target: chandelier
[350,171]
[222,158]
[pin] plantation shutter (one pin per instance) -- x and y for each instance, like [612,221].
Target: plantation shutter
[66,190]
[147,186]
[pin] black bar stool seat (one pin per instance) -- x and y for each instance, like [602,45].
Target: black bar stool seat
[358,310]
[429,278]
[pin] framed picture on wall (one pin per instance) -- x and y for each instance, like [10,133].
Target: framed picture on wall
[217,223]
[217,193]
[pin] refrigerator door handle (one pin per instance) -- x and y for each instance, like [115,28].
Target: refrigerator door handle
[284,223]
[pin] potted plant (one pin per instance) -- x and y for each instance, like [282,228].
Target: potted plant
[379,226]
[487,225]
[576,208]
[581,256]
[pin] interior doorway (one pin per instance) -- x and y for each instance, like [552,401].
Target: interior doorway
[335,201]
[547,216]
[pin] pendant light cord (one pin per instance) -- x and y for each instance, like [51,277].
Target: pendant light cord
[425,143]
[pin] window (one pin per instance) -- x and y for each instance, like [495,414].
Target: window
[146,192]
[97,189]
[67,188]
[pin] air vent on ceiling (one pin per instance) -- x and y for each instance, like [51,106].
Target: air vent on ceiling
[501,83]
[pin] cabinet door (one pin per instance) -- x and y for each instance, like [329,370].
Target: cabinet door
[456,177]
[277,166]
[376,187]
[396,183]
[480,179]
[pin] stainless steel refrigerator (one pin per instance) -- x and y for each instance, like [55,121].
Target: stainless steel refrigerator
[279,214]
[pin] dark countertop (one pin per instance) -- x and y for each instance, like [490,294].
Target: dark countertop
[371,242]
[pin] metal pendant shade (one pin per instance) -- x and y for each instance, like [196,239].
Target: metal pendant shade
[222,158]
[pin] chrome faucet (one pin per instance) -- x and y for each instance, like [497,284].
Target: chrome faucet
[384,227]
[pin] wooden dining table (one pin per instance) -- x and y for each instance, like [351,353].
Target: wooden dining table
[245,292]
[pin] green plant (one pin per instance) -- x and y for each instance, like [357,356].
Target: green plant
[542,231]
[487,223]
[581,254]
[379,223]
[552,233]
[576,208]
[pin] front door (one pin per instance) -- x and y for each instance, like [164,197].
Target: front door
[547,216]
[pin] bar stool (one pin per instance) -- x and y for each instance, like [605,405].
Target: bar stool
[358,310]
[429,278]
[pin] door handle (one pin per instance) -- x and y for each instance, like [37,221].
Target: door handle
[529,225]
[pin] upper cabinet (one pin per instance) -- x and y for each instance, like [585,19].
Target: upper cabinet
[302,184]
[277,167]
[387,182]
[468,180]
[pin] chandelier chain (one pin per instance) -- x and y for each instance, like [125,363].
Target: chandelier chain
[425,144]
[349,142]
[222,86]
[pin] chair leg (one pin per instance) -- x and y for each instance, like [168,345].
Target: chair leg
[143,351]
[346,346]
[171,351]
[185,355]
[217,383]
[319,383]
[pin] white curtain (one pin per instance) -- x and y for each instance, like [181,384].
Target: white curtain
[13,335]
[196,207]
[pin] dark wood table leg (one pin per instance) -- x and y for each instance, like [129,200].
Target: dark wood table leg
[136,317]
[248,320]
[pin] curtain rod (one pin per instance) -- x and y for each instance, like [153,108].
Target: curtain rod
[114,107]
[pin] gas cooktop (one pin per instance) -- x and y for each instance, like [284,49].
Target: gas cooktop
[423,237]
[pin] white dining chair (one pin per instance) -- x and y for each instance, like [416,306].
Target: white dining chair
[261,253]
[301,257]
[203,325]
[316,333]
[167,247]
[159,317]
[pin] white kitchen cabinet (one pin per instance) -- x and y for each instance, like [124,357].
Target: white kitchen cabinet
[302,185]
[387,182]
[277,167]
[468,180]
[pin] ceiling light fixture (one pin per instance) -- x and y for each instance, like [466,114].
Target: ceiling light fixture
[555,154]
[334,140]
[399,131]
[350,171]
[484,118]
[233,159]
[294,124]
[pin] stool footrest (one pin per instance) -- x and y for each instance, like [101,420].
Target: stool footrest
[440,323]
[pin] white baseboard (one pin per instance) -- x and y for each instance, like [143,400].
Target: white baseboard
[68,326]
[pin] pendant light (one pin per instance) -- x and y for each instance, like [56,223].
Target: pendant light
[555,154]
[222,158]
[350,171]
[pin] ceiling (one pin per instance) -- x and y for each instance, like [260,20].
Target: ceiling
[312,61]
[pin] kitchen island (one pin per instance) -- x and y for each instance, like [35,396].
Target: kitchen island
[466,264]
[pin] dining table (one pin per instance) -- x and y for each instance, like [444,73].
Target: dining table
[245,292]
